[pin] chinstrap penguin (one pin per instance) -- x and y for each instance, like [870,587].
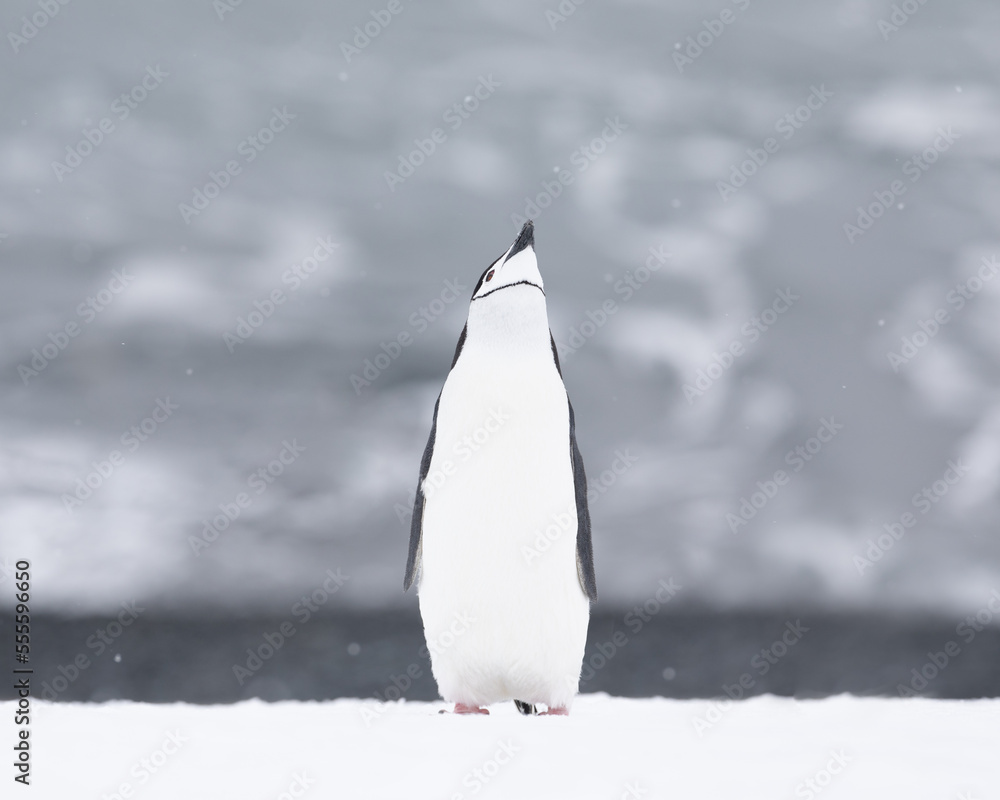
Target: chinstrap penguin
[500,544]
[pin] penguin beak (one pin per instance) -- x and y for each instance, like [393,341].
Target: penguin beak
[525,239]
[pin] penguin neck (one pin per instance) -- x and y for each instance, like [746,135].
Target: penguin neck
[515,323]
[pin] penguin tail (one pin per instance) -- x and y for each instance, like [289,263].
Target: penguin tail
[525,708]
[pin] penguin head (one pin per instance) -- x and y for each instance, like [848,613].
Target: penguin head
[515,268]
[507,310]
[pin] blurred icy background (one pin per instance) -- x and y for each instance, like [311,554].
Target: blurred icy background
[654,186]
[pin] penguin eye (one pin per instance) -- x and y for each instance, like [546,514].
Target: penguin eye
[489,275]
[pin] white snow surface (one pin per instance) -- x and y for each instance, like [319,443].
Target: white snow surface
[765,747]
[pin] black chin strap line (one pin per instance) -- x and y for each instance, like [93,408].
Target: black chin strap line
[507,286]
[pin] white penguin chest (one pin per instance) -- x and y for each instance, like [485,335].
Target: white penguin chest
[502,448]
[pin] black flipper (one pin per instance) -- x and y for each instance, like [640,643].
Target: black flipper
[584,545]
[416,524]
[525,708]
[555,353]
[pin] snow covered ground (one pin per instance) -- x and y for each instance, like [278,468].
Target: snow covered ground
[766,747]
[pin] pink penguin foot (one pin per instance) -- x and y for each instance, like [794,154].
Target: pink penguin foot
[558,711]
[462,708]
